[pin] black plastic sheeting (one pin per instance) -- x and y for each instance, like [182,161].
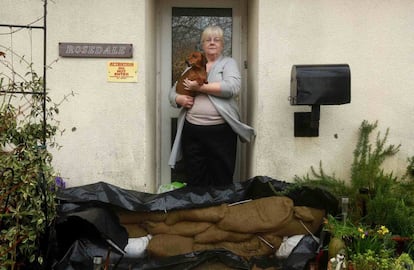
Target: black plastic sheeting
[88,227]
[96,224]
[301,254]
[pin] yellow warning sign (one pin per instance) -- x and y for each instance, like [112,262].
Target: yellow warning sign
[122,72]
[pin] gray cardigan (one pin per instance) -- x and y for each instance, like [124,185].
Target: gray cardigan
[225,70]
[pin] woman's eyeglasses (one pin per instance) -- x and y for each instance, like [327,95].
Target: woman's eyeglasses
[215,40]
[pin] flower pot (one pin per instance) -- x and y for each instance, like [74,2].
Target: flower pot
[334,246]
[401,243]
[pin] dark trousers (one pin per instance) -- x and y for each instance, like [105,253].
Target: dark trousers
[209,154]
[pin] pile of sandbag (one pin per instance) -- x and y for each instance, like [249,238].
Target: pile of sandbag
[251,228]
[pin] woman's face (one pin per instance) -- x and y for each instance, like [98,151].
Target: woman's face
[213,45]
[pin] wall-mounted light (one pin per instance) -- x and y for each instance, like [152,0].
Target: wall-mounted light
[344,208]
[316,85]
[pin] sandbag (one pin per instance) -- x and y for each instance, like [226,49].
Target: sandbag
[250,248]
[128,217]
[208,214]
[272,238]
[214,234]
[260,215]
[135,230]
[140,207]
[165,245]
[304,221]
[184,228]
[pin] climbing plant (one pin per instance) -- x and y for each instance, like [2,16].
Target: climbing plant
[27,185]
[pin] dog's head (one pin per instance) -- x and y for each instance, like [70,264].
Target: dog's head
[196,59]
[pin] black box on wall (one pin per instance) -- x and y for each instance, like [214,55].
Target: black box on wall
[320,84]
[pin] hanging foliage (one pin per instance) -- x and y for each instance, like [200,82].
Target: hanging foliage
[27,178]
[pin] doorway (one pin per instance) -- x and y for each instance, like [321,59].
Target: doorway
[181,24]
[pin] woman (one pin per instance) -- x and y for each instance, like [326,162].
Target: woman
[209,123]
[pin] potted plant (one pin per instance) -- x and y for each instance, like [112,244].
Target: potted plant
[365,247]
[338,230]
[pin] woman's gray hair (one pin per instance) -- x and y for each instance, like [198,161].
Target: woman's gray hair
[212,31]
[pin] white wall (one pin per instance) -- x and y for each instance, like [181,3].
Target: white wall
[375,38]
[23,42]
[115,123]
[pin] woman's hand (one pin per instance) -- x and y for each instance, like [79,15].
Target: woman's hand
[191,85]
[213,88]
[185,101]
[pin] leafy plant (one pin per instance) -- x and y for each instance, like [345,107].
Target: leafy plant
[366,171]
[377,239]
[375,197]
[359,238]
[410,168]
[404,262]
[374,261]
[338,228]
[367,247]
[322,180]
[27,198]
[370,260]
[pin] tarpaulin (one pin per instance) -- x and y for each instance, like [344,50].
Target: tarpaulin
[192,197]
[86,204]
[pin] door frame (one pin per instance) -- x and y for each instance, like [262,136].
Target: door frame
[239,53]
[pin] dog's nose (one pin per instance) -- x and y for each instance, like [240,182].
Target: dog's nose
[188,63]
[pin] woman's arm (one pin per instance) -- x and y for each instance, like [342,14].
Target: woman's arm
[177,100]
[213,88]
[224,80]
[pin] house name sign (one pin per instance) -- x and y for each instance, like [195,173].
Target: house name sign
[95,50]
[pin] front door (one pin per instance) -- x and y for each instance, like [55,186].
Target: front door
[182,23]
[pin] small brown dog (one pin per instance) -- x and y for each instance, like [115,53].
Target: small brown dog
[197,61]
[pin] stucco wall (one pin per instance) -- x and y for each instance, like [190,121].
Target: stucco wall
[375,38]
[110,128]
[114,140]
[115,122]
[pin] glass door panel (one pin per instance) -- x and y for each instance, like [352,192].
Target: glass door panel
[186,27]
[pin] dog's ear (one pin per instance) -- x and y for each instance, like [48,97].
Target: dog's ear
[203,60]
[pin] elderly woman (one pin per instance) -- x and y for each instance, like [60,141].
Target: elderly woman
[209,123]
